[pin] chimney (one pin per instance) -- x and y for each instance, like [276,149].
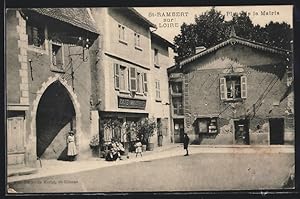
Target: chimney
[200,49]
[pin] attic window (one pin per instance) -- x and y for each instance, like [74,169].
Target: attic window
[36,34]
[57,56]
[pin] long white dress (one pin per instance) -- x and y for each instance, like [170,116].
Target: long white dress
[71,146]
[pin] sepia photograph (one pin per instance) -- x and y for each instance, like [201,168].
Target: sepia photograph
[149,99]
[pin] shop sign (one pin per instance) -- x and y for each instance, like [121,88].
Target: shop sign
[131,103]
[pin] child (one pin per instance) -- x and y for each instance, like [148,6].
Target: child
[138,148]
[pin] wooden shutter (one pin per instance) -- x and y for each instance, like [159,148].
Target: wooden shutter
[157,88]
[223,89]
[145,83]
[244,87]
[132,77]
[117,76]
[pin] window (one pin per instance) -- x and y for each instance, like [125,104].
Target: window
[36,34]
[177,106]
[123,78]
[176,87]
[129,79]
[121,32]
[139,82]
[157,90]
[145,83]
[207,125]
[120,74]
[156,63]
[57,56]
[233,87]
[137,40]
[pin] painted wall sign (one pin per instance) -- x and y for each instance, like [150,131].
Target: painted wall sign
[131,103]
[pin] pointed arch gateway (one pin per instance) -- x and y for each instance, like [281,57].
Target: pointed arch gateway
[55,112]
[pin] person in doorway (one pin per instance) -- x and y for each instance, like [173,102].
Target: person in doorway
[72,152]
[186,140]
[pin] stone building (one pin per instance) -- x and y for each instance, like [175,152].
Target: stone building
[237,92]
[132,79]
[50,61]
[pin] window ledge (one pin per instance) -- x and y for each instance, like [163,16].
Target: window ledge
[123,41]
[123,91]
[233,100]
[176,94]
[158,100]
[54,69]
[138,48]
[36,49]
[140,94]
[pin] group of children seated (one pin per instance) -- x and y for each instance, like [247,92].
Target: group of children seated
[115,149]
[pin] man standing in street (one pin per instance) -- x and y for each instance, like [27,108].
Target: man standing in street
[186,140]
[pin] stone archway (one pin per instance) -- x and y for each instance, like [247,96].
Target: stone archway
[36,102]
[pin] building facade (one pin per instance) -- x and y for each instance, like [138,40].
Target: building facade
[237,92]
[130,86]
[50,62]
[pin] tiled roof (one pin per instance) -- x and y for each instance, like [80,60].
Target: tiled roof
[78,17]
[236,40]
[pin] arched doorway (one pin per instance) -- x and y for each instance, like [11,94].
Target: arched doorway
[55,117]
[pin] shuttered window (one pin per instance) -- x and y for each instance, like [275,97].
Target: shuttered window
[145,83]
[243,87]
[223,89]
[133,79]
[157,89]
[233,87]
[117,76]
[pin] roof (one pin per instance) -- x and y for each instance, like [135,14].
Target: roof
[232,41]
[141,17]
[156,36]
[78,17]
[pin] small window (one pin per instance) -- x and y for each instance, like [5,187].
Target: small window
[177,106]
[36,34]
[156,63]
[157,90]
[57,56]
[176,88]
[121,32]
[137,40]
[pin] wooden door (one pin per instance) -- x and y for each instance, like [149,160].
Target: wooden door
[276,130]
[15,140]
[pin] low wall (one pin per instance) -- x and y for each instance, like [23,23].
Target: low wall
[259,138]
[289,138]
[220,139]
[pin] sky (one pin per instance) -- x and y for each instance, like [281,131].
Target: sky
[169,26]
